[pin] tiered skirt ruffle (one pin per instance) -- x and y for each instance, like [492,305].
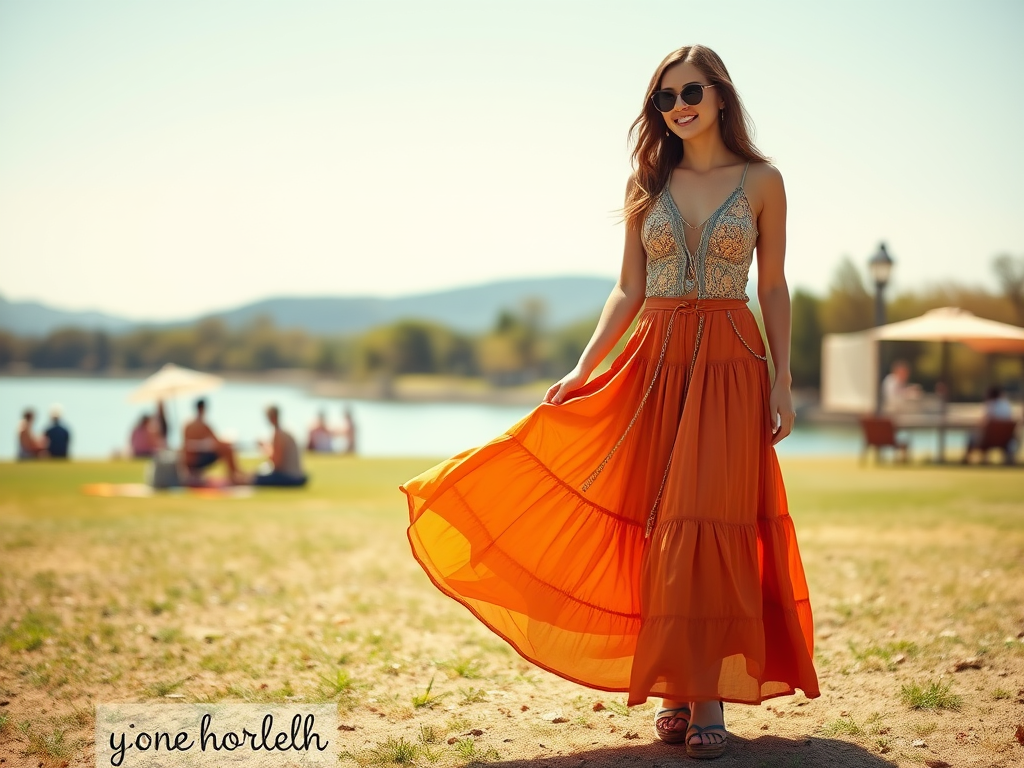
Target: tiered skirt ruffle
[547,535]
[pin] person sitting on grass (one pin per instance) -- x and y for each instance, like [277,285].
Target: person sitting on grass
[321,437]
[348,431]
[58,439]
[283,467]
[202,448]
[29,446]
[145,440]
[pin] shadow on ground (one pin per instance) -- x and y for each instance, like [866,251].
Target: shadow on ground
[762,752]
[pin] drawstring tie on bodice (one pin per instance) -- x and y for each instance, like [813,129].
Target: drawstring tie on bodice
[699,307]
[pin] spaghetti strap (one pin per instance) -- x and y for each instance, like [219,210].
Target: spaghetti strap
[744,176]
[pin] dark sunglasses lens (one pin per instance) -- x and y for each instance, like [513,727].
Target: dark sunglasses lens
[664,101]
[692,94]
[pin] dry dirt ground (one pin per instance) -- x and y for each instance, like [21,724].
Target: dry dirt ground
[916,577]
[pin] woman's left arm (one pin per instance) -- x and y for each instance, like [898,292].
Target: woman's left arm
[773,295]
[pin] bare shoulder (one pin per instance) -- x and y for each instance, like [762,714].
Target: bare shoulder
[764,186]
[765,175]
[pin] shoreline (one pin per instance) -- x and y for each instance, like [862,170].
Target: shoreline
[425,388]
[403,389]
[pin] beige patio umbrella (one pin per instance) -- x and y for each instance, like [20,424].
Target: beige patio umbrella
[948,324]
[172,382]
[955,324]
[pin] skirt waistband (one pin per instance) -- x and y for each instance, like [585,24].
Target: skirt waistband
[674,303]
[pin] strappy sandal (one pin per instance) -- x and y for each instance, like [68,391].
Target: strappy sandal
[703,751]
[671,735]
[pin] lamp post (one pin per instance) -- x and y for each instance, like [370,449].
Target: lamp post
[880,267]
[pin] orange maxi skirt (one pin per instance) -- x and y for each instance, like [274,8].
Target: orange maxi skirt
[636,537]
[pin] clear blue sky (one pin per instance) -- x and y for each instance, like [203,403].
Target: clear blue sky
[161,159]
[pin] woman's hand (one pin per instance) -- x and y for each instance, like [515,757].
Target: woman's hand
[560,390]
[781,411]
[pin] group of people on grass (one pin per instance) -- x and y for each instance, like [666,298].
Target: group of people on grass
[149,434]
[201,448]
[53,443]
[325,439]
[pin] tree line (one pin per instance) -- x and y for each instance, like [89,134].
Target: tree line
[849,305]
[516,349]
[519,347]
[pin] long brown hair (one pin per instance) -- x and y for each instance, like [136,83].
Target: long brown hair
[657,150]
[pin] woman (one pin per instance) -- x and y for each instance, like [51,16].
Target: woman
[631,533]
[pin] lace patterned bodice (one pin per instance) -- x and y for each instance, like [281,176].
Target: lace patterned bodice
[721,265]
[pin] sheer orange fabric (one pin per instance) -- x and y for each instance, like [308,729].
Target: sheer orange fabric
[636,537]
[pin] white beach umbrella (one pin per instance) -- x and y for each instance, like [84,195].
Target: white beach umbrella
[947,324]
[172,381]
[849,373]
[955,324]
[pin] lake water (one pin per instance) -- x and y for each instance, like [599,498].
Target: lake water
[100,418]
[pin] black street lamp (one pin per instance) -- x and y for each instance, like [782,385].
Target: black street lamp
[880,267]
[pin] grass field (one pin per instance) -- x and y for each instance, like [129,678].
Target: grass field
[916,577]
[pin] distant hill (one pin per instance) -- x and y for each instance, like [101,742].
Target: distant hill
[30,318]
[471,310]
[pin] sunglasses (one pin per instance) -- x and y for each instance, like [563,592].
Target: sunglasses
[692,94]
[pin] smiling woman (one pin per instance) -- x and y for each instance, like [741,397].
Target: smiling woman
[632,532]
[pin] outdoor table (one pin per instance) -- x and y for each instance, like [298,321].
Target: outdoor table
[940,423]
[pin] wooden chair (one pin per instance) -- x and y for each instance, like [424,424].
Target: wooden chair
[996,434]
[879,433]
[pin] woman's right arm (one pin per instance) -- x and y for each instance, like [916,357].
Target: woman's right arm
[621,307]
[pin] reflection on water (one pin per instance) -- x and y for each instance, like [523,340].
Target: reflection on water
[100,418]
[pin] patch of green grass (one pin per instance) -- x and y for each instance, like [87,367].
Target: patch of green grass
[467,750]
[472,696]
[468,668]
[5,719]
[339,684]
[885,654]
[77,718]
[934,696]
[30,632]
[1001,693]
[157,607]
[394,751]
[167,635]
[618,708]
[215,663]
[54,745]
[430,734]
[164,687]
[925,729]
[45,581]
[457,724]
[843,726]
[425,699]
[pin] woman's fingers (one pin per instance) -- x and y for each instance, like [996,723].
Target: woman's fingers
[785,424]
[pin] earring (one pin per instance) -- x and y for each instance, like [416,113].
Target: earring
[721,115]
